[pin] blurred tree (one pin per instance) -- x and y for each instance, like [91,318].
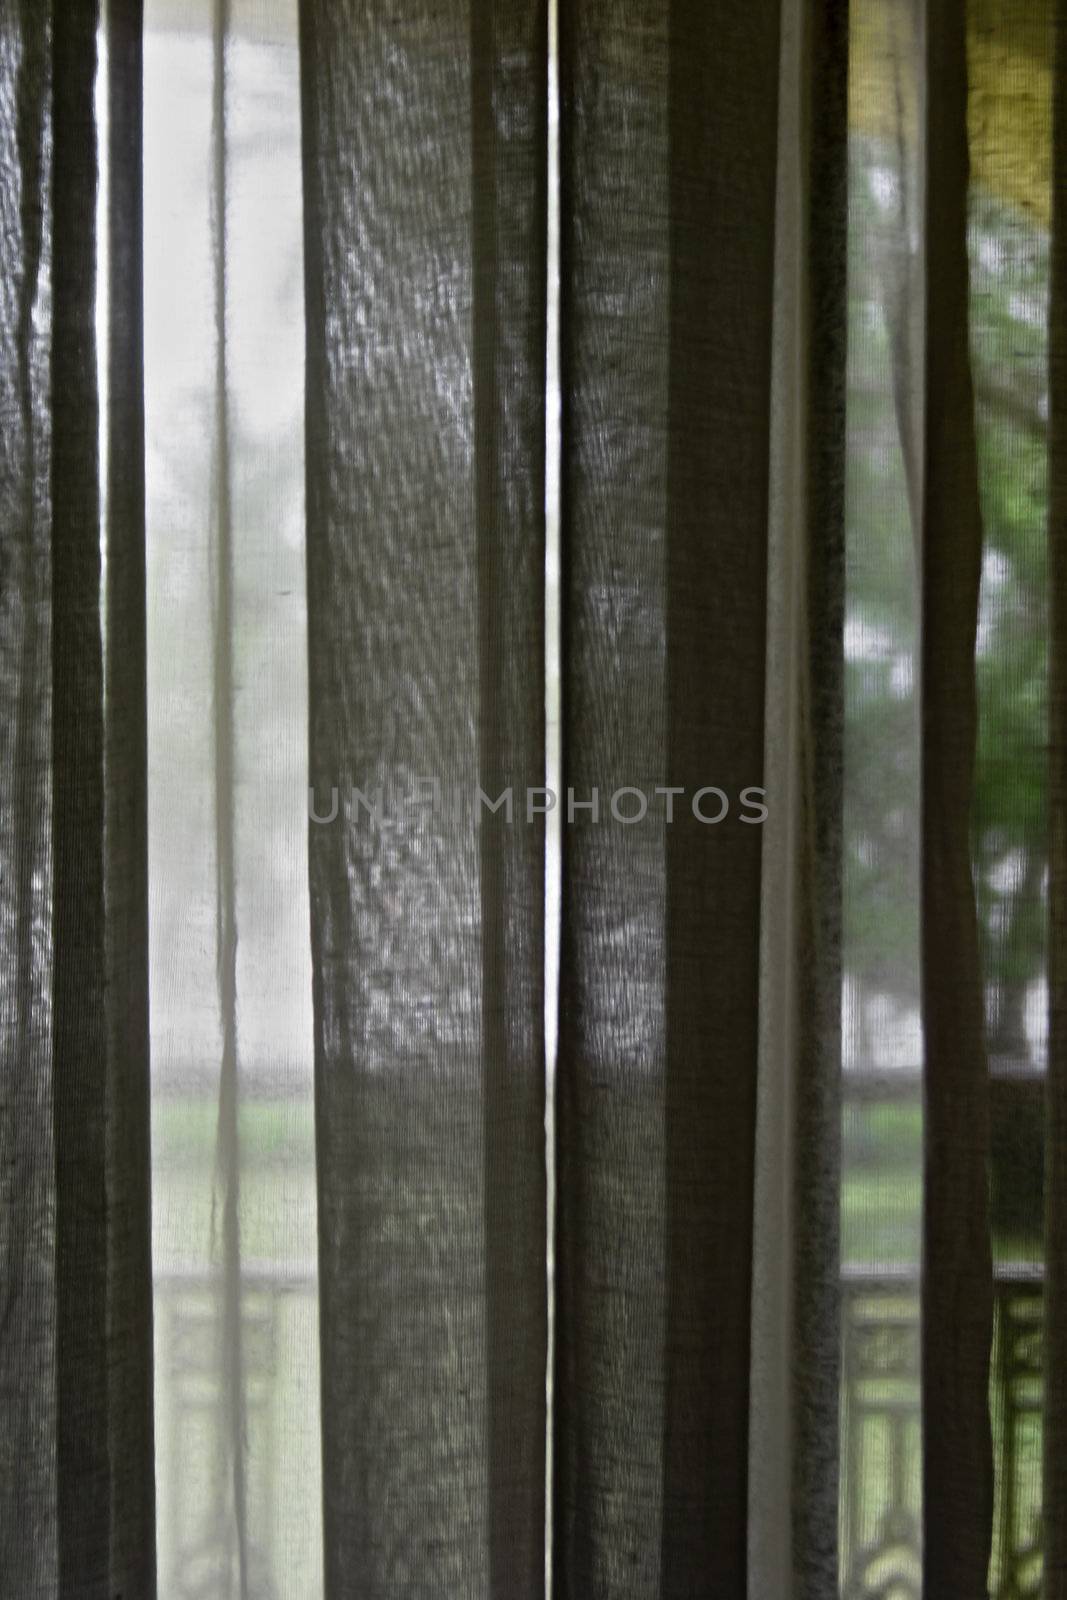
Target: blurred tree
[1009,250]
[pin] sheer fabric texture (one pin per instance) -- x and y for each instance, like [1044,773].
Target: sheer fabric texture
[324,1272]
[76,1462]
[424,140]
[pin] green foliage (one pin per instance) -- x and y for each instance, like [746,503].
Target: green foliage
[1009,260]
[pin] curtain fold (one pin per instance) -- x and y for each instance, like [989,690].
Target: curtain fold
[816,1472]
[76,1478]
[27,1525]
[129,1264]
[957,1273]
[1055,1353]
[668,139]
[424,162]
[795,1474]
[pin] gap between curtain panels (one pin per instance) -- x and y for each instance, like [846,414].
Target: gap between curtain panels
[227,1149]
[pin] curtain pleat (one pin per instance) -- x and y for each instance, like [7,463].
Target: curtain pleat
[957,1278]
[76,1478]
[130,1338]
[1055,1362]
[27,1283]
[668,157]
[509,70]
[795,1440]
[79,1023]
[817,1262]
[424,159]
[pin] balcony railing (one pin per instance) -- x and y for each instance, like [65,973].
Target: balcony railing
[881,1438]
[880,1513]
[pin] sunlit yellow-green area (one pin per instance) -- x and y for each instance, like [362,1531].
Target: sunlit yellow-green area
[1009,47]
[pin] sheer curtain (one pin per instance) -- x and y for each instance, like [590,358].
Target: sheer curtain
[290,1196]
[76,1462]
[424,207]
[669,131]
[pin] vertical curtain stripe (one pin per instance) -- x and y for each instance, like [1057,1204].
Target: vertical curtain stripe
[79,1026]
[1055,1421]
[723,157]
[795,1440]
[76,1480]
[126,821]
[27,1278]
[668,141]
[817,1269]
[771,1422]
[957,1290]
[424,161]
[509,46]
[610,1155]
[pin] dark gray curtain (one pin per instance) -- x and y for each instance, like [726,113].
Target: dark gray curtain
[957,1274]
[670,149]
[814,1248]
[424,160]
[1055,1431]
[76,1457]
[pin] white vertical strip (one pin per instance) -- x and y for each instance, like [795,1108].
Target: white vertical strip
[226,1216]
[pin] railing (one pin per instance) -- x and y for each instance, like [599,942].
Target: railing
[880,1413]
[279,1327]
[881,1437]
[880,1431]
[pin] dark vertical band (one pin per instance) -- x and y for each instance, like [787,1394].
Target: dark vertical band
[79,1015]
[27,1169]
[816,1275]
[509,137]
[668,162]
[957,1287]
[126,780]
[723,161]
[1054,1520]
